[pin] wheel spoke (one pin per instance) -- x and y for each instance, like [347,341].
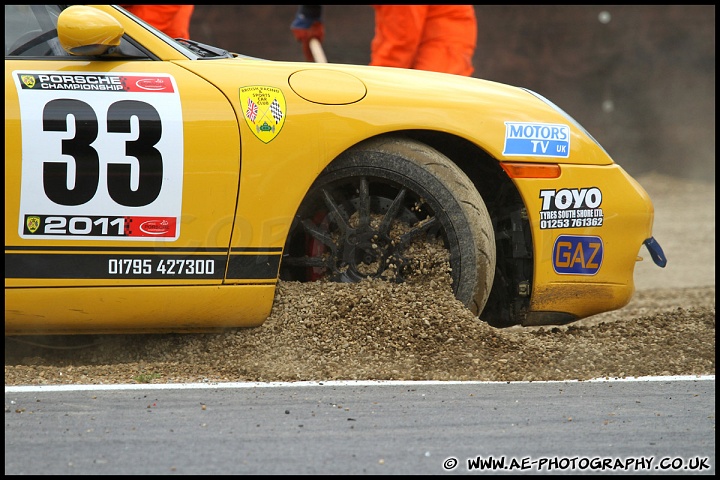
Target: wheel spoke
[392,212]
[415,232]
[342,220]
[364,204]
[318,234]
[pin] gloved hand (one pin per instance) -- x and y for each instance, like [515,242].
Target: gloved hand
[308,24]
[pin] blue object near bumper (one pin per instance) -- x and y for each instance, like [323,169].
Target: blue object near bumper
[656,252]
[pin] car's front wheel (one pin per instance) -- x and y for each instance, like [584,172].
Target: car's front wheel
[381,205]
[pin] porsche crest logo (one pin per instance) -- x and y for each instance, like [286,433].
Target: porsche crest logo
[28,80]
[33,223]
[264,110]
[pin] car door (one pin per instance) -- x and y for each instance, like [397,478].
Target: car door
[120,172]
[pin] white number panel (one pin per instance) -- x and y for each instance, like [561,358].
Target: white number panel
[102,156]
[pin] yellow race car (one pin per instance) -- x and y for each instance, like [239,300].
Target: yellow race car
[162,185]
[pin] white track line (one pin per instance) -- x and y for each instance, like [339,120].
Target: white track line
[333,383]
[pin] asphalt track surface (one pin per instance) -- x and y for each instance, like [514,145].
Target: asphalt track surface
[629,426]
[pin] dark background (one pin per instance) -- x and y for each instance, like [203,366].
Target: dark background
[642,83]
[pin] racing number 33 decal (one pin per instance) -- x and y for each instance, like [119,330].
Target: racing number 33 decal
[102,156]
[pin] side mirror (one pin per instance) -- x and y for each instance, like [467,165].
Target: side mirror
[87,31]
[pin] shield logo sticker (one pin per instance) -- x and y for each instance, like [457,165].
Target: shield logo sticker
[264,110]
[28,80]
[33,223]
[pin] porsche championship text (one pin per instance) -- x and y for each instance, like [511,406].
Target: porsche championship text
[79,82]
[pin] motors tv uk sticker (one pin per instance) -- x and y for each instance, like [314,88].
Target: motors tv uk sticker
[537,140]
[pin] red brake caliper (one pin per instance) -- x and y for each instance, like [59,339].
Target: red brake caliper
[315,248]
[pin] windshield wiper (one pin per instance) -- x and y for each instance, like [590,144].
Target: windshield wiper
[202,50]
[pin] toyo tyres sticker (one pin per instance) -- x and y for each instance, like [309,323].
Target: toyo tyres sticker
[102,156]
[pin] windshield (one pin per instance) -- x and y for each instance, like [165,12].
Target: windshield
[187,47]
[31,32]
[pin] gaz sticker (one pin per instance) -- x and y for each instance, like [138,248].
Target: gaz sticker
[102,156]
[537,139]
[577,255]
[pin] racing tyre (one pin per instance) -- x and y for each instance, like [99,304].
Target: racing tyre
[365,214]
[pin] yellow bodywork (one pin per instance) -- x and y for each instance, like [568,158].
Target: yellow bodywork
[627,221]
[242,184]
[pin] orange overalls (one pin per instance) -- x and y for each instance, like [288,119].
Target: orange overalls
[173,20]
[441,38]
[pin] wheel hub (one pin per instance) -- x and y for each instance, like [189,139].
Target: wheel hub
[364,253]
